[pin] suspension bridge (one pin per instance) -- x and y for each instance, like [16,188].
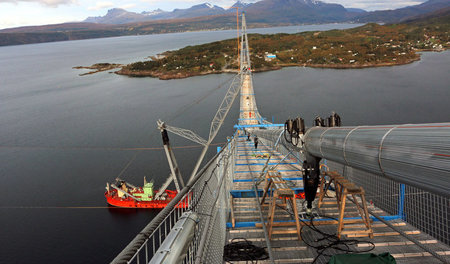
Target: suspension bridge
[303,195]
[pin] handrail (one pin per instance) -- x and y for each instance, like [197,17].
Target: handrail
[201,247]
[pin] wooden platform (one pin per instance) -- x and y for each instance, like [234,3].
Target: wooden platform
[286,247]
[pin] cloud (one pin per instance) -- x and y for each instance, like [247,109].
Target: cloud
[371,5]
[10,19]
[50,3]
[101,5]
[127,6]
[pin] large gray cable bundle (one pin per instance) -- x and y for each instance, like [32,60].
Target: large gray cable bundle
[418,155]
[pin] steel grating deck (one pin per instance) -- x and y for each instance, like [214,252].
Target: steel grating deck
[286,248]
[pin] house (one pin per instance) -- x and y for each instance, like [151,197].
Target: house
[269,57]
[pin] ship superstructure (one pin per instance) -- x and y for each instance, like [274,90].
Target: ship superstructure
[285,193]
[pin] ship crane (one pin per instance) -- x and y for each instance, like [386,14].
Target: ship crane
[175,175]
[124,192]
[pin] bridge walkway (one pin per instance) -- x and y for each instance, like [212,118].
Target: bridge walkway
[249,114]
[286,247]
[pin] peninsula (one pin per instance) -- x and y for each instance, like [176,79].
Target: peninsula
[98,67]
[371,45]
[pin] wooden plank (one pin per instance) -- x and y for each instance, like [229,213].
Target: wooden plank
[375,225]
[316,223]
[413,232]
[355,232]
[420,254]
[397,243]
[233,219]
[289,248]
[259,228]
[285,231]
[297,221]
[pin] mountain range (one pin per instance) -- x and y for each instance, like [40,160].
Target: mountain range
[401,14]
[121,16]
[276,12]
[265,13]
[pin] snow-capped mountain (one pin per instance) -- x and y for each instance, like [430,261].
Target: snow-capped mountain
[274,12]
[154,12]
[121,16]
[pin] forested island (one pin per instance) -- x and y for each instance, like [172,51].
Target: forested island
[371,45]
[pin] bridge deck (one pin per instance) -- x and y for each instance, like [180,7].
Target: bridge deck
[249,112]
[286,247]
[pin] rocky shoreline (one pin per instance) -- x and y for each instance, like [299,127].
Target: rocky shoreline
[362,66]
[99,67]
[181,75]
[165,75]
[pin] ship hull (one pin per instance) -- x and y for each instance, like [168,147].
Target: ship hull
[113,200]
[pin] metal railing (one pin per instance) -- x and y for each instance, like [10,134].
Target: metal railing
[208,196]
[426,211]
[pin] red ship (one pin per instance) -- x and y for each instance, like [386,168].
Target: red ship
[126,195]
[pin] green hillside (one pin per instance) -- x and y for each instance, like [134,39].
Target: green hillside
[370,45]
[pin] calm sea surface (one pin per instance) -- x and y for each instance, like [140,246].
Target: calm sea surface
[62,136]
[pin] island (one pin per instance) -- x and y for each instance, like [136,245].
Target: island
[370,45]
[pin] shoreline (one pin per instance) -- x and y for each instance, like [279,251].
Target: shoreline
[100,67]
[363,66]
[182,75]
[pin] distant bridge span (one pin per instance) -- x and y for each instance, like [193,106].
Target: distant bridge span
[249,114]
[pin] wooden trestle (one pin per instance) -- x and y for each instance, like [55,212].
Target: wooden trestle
[280,190]
[344,187]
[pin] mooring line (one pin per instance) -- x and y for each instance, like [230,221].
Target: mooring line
[105,148]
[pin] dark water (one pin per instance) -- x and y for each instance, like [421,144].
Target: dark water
[413,93]
[61,135]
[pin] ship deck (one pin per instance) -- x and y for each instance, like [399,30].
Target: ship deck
[287,248]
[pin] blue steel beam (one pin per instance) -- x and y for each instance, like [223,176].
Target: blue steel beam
[258,126]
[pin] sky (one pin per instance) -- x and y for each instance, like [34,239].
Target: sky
[16,13]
